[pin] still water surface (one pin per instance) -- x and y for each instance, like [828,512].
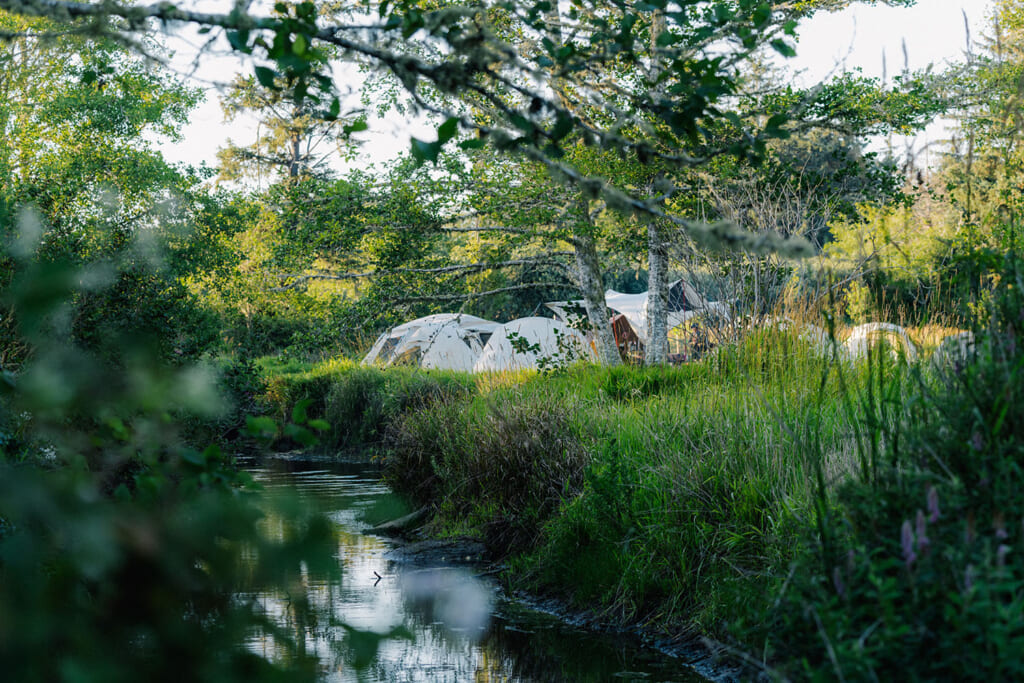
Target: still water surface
[443,624]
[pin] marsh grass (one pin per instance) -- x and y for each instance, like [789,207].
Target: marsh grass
[722,497]
[357,402]
[915,568]
[664,495]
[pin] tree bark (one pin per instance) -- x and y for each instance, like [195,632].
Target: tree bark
[656,350]
[588,278]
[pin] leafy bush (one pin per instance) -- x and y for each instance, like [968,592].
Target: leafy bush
[123,552]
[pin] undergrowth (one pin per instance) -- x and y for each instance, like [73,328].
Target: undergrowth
[659,495]
[842,520]
[916,566]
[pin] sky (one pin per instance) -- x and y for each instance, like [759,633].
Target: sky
[860,36]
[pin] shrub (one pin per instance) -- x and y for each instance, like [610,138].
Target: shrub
[504,465]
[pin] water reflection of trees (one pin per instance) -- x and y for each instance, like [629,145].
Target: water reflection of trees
[332,617]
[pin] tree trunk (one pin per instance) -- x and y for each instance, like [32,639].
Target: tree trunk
[656,351]
[588,275]
[588,278]
[295,163]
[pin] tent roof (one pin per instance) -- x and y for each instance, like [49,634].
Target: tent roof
[550,339]
[441,346]
[423,332]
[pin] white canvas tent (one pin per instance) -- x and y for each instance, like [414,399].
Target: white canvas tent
[863,337]
[816,337]
[450,341]
[446,346]
[549,341]
[684,302]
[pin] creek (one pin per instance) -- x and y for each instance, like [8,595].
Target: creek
[382,618]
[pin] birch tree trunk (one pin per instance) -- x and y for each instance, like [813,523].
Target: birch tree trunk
[656,350]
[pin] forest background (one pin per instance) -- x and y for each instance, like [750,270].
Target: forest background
[573,149]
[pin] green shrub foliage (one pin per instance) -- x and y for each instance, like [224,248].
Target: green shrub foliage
[125,554]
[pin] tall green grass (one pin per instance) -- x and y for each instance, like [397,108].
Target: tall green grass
[770,496]
[917,572]
[664,495]
[358,403]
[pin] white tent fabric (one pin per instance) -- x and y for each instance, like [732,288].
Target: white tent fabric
[434,341]
[685,302]
[550,341]
[442,346]
[815,336]
[863,337]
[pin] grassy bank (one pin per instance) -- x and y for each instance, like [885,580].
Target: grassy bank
[827,520]
[660,495]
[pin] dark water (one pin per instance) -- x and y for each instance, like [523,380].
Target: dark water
[378,620]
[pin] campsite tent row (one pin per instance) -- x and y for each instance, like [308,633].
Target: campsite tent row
[453,341]
[457,341]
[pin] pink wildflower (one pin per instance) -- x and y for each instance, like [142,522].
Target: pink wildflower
[933,505]
[907,542]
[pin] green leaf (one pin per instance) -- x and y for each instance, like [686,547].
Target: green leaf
[355,127]
[783,48]
[447,130]
[563,126]
[266,77]
[260,427]
[299,411]
[193,457]
[762,15]
[300,434]
[425,151]
[319,425]
[239,40]
[333,111]
[300,45]
[476,143]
